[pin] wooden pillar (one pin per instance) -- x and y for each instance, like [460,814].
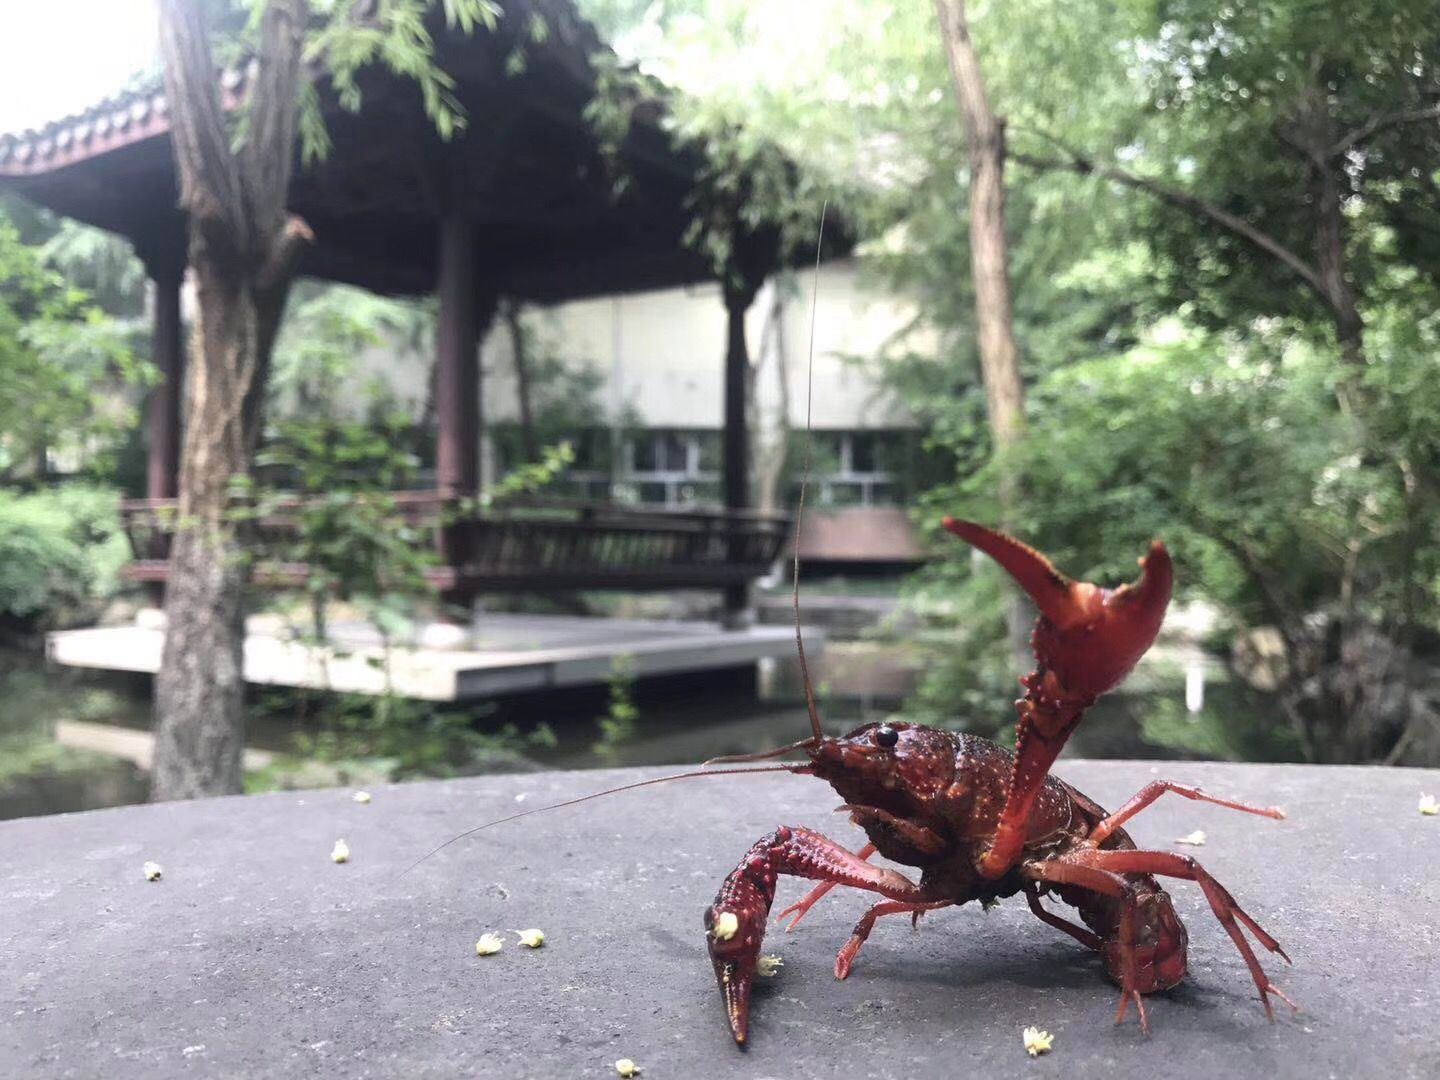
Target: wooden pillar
[162,467]
[735,476]
[457,359]
[467,304]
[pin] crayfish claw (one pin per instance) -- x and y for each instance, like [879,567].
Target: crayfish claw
[735,985]
[1087,637]
[734,930]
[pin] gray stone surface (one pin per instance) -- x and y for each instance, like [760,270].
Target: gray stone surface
[257,956]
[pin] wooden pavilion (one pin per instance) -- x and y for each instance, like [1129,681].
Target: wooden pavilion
[522,204]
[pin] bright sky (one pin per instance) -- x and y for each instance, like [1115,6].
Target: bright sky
[58,56]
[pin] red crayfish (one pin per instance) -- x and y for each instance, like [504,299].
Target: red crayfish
[981,823]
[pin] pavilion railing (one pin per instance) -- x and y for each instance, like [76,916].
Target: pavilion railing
[520,545]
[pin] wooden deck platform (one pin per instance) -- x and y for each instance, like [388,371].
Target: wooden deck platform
[500,654]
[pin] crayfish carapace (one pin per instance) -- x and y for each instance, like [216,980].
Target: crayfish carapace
[982,823]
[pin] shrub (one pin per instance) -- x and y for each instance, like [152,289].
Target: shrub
[60,554]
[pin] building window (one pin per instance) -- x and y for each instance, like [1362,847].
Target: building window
[850,468]
[671,468]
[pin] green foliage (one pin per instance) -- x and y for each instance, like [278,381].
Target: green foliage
[1182,381]
[1233,95]
[60,553]
[394,35]
[704,59]
[364,739]
[326,330]
[103,264]
[619,724]
[337,484]
[406,739]
[533,476]
[63,362]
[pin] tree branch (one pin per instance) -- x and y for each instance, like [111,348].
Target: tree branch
[1380,122]
[285,252]
[1236,226]
[268,153]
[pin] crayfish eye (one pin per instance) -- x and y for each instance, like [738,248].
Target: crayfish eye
[886,736]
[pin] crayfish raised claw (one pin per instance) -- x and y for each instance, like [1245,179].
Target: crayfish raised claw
[982,823]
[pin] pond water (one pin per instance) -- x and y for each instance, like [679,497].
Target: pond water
[676,723]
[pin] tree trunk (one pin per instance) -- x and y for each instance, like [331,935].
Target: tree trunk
[735,466]
[990,273]
[242,251]
[770,428]
[199,690]
[989,256]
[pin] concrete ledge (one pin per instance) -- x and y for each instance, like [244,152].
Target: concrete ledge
[257,956]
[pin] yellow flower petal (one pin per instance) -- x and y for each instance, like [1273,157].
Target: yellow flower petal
[626,1067]
[152,871]
[489,944]
[532,938]
[1429,805]
[727,924]
[1037,1042]
[340,852]
[361,797]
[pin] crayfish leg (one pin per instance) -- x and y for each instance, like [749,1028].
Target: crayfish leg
[802,907]
[1226,910]
[1105,883]
[1153,790]
[1079,933]
[847,953]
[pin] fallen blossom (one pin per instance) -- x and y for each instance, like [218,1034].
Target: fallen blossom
[152,871]
[626,1067]
[489,944]
[768,966]
[1429,805]
[340,852]
[1037,1042]
[727,923]
[531,938]
[1195,839]
[362,797]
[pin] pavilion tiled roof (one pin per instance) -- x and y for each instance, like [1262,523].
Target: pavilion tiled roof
[136,113]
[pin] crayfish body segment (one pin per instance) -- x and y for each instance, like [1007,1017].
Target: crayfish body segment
[980,823]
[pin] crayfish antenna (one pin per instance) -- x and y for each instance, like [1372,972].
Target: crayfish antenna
[695,774]
[815,730]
